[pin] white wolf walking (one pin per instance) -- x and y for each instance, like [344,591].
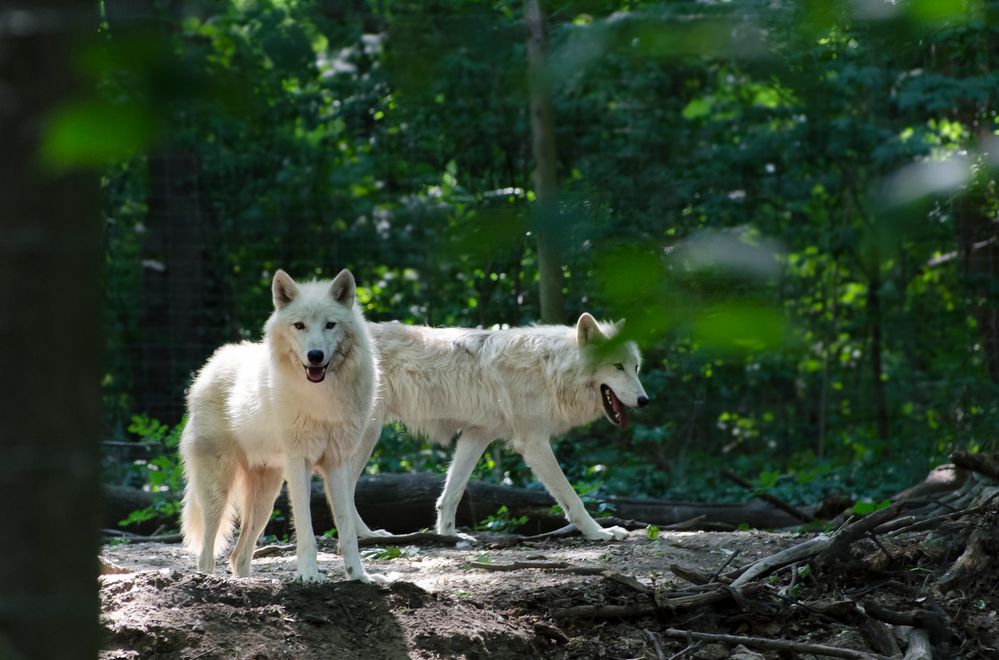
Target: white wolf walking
[522,384]
[296,402]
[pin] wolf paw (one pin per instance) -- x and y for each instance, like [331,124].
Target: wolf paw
[309,577]
[375,578]
[373,533]
[465,538]
[608,534]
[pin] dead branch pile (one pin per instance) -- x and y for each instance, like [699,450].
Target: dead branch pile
[915,580]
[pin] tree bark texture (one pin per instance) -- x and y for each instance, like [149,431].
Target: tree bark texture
[545,175]
[877,344]
[51,333]
[978,245]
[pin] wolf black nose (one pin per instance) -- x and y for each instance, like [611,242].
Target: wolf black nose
[643,401]
[315,357]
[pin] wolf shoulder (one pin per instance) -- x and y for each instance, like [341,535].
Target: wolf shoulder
[232,382]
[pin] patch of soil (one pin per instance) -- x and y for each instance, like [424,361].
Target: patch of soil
[168,614]
[594,600]
[436,607]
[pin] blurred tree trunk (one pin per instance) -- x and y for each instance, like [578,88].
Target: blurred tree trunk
[50,407]
[874,316]
[545,177]
[978,246]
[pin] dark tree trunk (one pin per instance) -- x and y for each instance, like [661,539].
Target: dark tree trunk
[547,225]
[50,330]
[874,316]
[978,243]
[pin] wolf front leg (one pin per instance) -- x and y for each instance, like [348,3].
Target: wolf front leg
[538,454]
[340,491]
[298,473]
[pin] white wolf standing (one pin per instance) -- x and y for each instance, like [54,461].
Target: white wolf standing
[258,411]
[521,384]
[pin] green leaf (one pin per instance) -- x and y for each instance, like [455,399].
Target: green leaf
[96,133]
[864,508]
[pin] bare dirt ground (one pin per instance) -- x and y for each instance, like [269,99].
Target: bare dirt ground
[438,606]
[919,577]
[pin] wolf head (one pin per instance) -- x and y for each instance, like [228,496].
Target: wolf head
[615,370]
[313,323]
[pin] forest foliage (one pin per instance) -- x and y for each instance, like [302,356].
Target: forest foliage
[791,203]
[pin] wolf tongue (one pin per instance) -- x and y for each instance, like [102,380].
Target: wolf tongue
[315,373]
[620,410]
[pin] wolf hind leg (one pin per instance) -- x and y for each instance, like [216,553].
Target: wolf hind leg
[210,479]
[255,493]
[467,452]
[538,454]
[359,461]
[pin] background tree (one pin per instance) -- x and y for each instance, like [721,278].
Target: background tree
[791,209]
[547,223]
[50,410]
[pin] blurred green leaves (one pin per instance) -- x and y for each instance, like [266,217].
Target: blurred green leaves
[96,133]
[714,287]
[136,80]
[734,327]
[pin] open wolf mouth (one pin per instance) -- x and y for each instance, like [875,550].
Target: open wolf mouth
[316,374]
[613,407]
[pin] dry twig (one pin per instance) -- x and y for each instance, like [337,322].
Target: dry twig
[557,566]
[932,622]
[121,535]
[823,547]
[654,640]
[774,644]
[767,497]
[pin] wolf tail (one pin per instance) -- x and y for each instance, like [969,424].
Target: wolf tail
[206,493]
[192,521]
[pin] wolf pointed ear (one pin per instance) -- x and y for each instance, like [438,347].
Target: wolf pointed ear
[587,330]
[283,289]
[343,288]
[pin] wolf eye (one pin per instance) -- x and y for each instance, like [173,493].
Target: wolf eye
[330,325]
[619,366]
[299,325]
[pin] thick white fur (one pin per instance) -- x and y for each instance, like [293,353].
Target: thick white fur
[254,419]
[522,384]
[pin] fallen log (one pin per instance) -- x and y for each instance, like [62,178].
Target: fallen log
[987,464]
[403,503]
